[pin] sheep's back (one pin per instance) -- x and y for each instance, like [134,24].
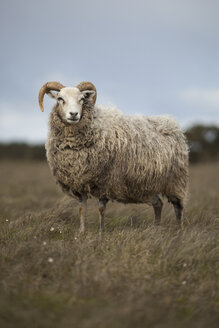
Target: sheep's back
[143,152]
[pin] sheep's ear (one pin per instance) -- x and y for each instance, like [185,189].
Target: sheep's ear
[52,94]
[88,94]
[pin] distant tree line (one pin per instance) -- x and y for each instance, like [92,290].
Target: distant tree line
[22,151]
[203,145]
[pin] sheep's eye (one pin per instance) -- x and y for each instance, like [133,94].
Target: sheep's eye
[61,99]
[81,100]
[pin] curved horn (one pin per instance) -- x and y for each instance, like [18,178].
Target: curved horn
[87,86]
[46,88]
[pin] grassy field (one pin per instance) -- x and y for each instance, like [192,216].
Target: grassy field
[136,275]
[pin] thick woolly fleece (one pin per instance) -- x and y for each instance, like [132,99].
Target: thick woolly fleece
[131,159]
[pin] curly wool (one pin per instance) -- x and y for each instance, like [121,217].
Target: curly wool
[124,158]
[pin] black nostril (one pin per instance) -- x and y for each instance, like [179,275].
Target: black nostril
[73,114]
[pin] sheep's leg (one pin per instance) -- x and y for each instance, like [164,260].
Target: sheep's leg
[157,205]
[178,208]
[83,212]
[101,209]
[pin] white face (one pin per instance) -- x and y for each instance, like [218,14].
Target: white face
[71,101]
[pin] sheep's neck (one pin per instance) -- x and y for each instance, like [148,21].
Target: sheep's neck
[78,135]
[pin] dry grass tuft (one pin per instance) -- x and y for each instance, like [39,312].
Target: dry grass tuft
[135,275]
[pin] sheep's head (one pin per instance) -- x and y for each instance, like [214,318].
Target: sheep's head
[70,100]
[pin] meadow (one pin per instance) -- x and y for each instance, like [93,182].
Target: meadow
[135,275]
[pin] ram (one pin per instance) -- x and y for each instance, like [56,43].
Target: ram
[100,152]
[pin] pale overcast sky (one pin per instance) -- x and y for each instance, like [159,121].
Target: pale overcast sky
[144,56]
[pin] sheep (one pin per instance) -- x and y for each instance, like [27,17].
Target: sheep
[100,152]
